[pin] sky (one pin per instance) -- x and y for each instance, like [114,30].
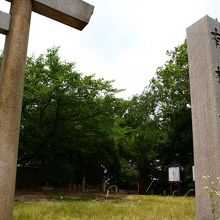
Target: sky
[125,40]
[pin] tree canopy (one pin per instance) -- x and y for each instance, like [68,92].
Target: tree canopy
[67,120]
[74,126]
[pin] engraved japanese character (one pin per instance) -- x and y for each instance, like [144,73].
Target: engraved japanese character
[218,73]
[216,37]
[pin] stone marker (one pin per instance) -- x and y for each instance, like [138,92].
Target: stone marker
[203,40]
[4,22]
[75,13]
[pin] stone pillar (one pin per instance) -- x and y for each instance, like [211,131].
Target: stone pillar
[203,40]
[11,93]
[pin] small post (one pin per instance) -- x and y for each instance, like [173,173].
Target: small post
[11,93]
[171,189]
[103,185]
[83,184]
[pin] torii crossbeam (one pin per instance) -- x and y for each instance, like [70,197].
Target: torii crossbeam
[16,25]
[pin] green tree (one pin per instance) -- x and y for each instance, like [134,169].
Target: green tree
[169,89]
[73,125]
[144,137]
[67,121]
[169,95]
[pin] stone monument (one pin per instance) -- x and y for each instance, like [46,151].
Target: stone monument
[75,13]
[203,40]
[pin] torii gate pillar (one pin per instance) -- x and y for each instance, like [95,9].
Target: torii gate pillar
[12,79]
[11,93]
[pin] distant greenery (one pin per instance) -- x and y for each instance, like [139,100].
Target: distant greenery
[74,126]
[167,99]
[160,119]
[127,208]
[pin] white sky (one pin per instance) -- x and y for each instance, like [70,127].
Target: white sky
[126,40]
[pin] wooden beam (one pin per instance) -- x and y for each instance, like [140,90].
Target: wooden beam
[74,13]
[4,22]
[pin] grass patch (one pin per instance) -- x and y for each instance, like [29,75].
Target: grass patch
[114,208]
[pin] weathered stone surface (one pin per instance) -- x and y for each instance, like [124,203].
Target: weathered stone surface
[11,93]
[204,59]
[75,13]
[4,22]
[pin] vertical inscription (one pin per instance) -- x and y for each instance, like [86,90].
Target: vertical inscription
[218,73]
[216,37]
